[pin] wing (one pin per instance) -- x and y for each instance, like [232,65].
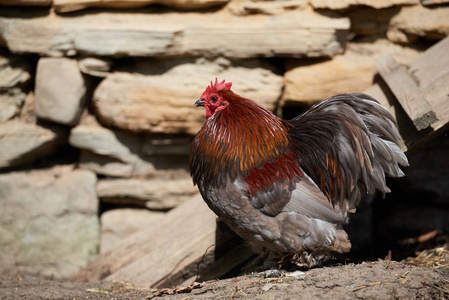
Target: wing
[341,149]
[286,188]
[347,144]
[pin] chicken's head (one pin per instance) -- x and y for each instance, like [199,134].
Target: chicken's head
[212,98]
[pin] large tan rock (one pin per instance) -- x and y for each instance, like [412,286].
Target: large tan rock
[48,221]
[144,103]
[62,6]
[22,142]
[342,4]
[401,24]
[164,103]
[351,72]
[59,90]
[149,33]
[418,21]
[152,193]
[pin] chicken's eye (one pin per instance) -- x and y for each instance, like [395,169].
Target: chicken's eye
[213,99]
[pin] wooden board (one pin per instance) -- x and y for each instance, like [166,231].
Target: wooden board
[178,248]
[158,252]
[431,71]
[406,91]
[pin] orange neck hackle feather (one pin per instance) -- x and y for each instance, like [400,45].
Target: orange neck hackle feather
[237,140]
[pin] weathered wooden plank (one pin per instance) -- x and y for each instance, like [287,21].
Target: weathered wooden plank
[229,253]
[406,92]
[431,70]
[168,252]
[157,252]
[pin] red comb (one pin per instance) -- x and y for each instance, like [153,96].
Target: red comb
[215,87]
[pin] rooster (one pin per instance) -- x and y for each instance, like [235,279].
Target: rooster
[289,185]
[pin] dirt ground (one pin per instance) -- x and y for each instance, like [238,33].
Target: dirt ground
[367,280]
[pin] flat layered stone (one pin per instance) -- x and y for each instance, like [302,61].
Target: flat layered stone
[401,24]
[350,72]
[418,21]
[164,103]
[151,33]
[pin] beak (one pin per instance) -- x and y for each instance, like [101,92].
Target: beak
[198,102]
